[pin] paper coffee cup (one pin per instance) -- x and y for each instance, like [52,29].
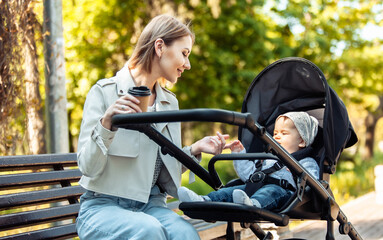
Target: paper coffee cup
[142,93]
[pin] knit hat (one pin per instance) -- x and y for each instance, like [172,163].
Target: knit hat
[306,125]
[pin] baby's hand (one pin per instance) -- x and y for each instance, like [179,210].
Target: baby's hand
[235,146]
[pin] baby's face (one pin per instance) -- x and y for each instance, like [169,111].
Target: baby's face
[286,134]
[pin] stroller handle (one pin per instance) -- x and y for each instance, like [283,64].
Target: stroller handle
[199,114]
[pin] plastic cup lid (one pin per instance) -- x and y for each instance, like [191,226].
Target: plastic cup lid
[139,91]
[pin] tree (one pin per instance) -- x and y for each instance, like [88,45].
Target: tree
[21,107]
[33,102]
[10,76]
[362,77]
[99,37]
[329,34]
[235,40]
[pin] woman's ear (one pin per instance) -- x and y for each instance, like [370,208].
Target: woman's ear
[159,46]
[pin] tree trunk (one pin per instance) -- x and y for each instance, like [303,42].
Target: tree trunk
[370,123]
[11,93]
[33,103]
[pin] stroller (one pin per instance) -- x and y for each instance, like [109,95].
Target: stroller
[289,84]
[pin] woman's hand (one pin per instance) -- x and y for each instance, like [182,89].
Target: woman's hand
[210,144]
[125,104]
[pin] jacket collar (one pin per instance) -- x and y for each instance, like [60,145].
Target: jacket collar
[303,153]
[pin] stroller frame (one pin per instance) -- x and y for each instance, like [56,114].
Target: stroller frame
[316,202]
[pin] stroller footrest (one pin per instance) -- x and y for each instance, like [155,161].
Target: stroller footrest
[231,212]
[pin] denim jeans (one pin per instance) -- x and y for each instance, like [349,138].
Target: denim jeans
[107,217]
[270,196]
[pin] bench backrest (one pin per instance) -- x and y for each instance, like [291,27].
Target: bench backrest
[39,196]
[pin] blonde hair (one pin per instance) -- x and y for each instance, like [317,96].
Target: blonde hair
[166,27]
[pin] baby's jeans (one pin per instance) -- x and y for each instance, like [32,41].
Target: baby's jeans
[224,194]
[270,196]
[107,217]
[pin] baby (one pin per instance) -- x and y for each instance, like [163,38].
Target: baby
[295,132]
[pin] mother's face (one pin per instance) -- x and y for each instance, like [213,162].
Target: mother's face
[175,58]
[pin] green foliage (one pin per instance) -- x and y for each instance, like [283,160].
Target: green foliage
[98,39]
[231,48]
[360,69]
[235,40]
[354,178]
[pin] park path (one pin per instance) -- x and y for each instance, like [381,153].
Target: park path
[365,214]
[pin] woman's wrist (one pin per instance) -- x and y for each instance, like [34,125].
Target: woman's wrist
[107,124]
[194,150]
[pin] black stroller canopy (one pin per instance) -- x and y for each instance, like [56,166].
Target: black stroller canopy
[296,84]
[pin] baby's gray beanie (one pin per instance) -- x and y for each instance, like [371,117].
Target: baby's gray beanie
[306,125]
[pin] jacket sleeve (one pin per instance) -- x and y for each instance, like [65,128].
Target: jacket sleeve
[244,168]
[311,166]
[94,139]
[197,159]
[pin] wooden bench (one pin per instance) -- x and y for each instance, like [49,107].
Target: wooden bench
[39,198]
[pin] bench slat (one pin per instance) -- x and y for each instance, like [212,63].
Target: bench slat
[16,220]
[33,197]
[60,232]
[37,160]
[40,177]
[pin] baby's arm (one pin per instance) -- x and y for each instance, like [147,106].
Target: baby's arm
[311,166]
[243,168]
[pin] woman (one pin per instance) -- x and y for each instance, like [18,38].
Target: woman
[126,176]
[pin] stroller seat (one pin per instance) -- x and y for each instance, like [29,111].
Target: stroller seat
[290,84]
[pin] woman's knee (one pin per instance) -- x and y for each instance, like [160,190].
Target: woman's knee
[145,229]
[174,224]
[119,224]
[181,227]
[152,229]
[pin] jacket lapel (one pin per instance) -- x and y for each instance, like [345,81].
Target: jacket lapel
[124,81]
[162,104]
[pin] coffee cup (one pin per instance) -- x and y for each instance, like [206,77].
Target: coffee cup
[142,93]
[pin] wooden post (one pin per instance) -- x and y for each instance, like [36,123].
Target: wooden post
[56,100]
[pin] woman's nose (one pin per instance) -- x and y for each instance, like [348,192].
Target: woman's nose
[187,64]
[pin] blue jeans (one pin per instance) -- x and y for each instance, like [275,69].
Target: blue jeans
[270,196]
[107,217]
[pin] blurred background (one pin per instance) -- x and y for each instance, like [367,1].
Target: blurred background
[235,40]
